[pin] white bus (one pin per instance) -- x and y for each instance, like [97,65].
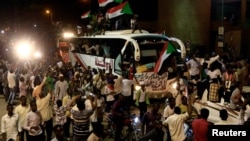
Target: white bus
[131,55]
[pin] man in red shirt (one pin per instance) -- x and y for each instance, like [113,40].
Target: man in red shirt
[200,126]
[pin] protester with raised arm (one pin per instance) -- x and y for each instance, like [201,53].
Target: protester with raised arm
[175,122]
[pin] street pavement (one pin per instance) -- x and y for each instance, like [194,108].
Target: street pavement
[134,110]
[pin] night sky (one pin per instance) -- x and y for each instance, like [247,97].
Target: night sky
[19,17]
[67,11]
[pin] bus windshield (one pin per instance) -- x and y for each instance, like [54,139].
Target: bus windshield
[150,49]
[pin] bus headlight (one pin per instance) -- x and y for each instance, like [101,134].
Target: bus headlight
[174,85]
[137,87]
[136,119]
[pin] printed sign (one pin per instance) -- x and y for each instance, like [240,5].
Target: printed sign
[103,63]
[153,82]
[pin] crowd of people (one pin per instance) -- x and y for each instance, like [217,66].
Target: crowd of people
[56,96]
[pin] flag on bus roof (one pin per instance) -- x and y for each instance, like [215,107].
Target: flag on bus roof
[165,53]
[121,9]
[85,15]
[103,3]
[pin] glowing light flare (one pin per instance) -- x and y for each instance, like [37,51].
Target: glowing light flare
[174,85]
[136,119]
[68,35]
[23,49]
[137,87]
[37,55]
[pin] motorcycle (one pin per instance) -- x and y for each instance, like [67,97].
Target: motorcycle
[188,129]
[130,131]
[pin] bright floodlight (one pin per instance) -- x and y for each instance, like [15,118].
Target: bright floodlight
[68,35]
[23,49]
[37,54]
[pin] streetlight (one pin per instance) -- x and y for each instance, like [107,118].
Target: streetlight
[51,15]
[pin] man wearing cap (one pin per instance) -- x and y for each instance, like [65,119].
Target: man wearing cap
[142,99]
[61,87]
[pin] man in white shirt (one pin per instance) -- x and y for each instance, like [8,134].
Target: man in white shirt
[61,87]
[9,124]
[194,68]
[142,99]
[175,123]
[89,106]
[126,92]
[22,110]
[33,123]
[236,97]
[109,92]
[169,109]
[11,77]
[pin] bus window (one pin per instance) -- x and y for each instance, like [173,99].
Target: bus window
[115,53]
[95,49]
[149,56]
[126,59]
[116,46]
[85,46]
[128,53]
[105,49]
[117,66]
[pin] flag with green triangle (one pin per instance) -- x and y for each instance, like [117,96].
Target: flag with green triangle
[121,9]
[85,15]
[103,3]
[165,53]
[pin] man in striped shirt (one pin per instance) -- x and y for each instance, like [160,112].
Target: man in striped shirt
[81,120]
